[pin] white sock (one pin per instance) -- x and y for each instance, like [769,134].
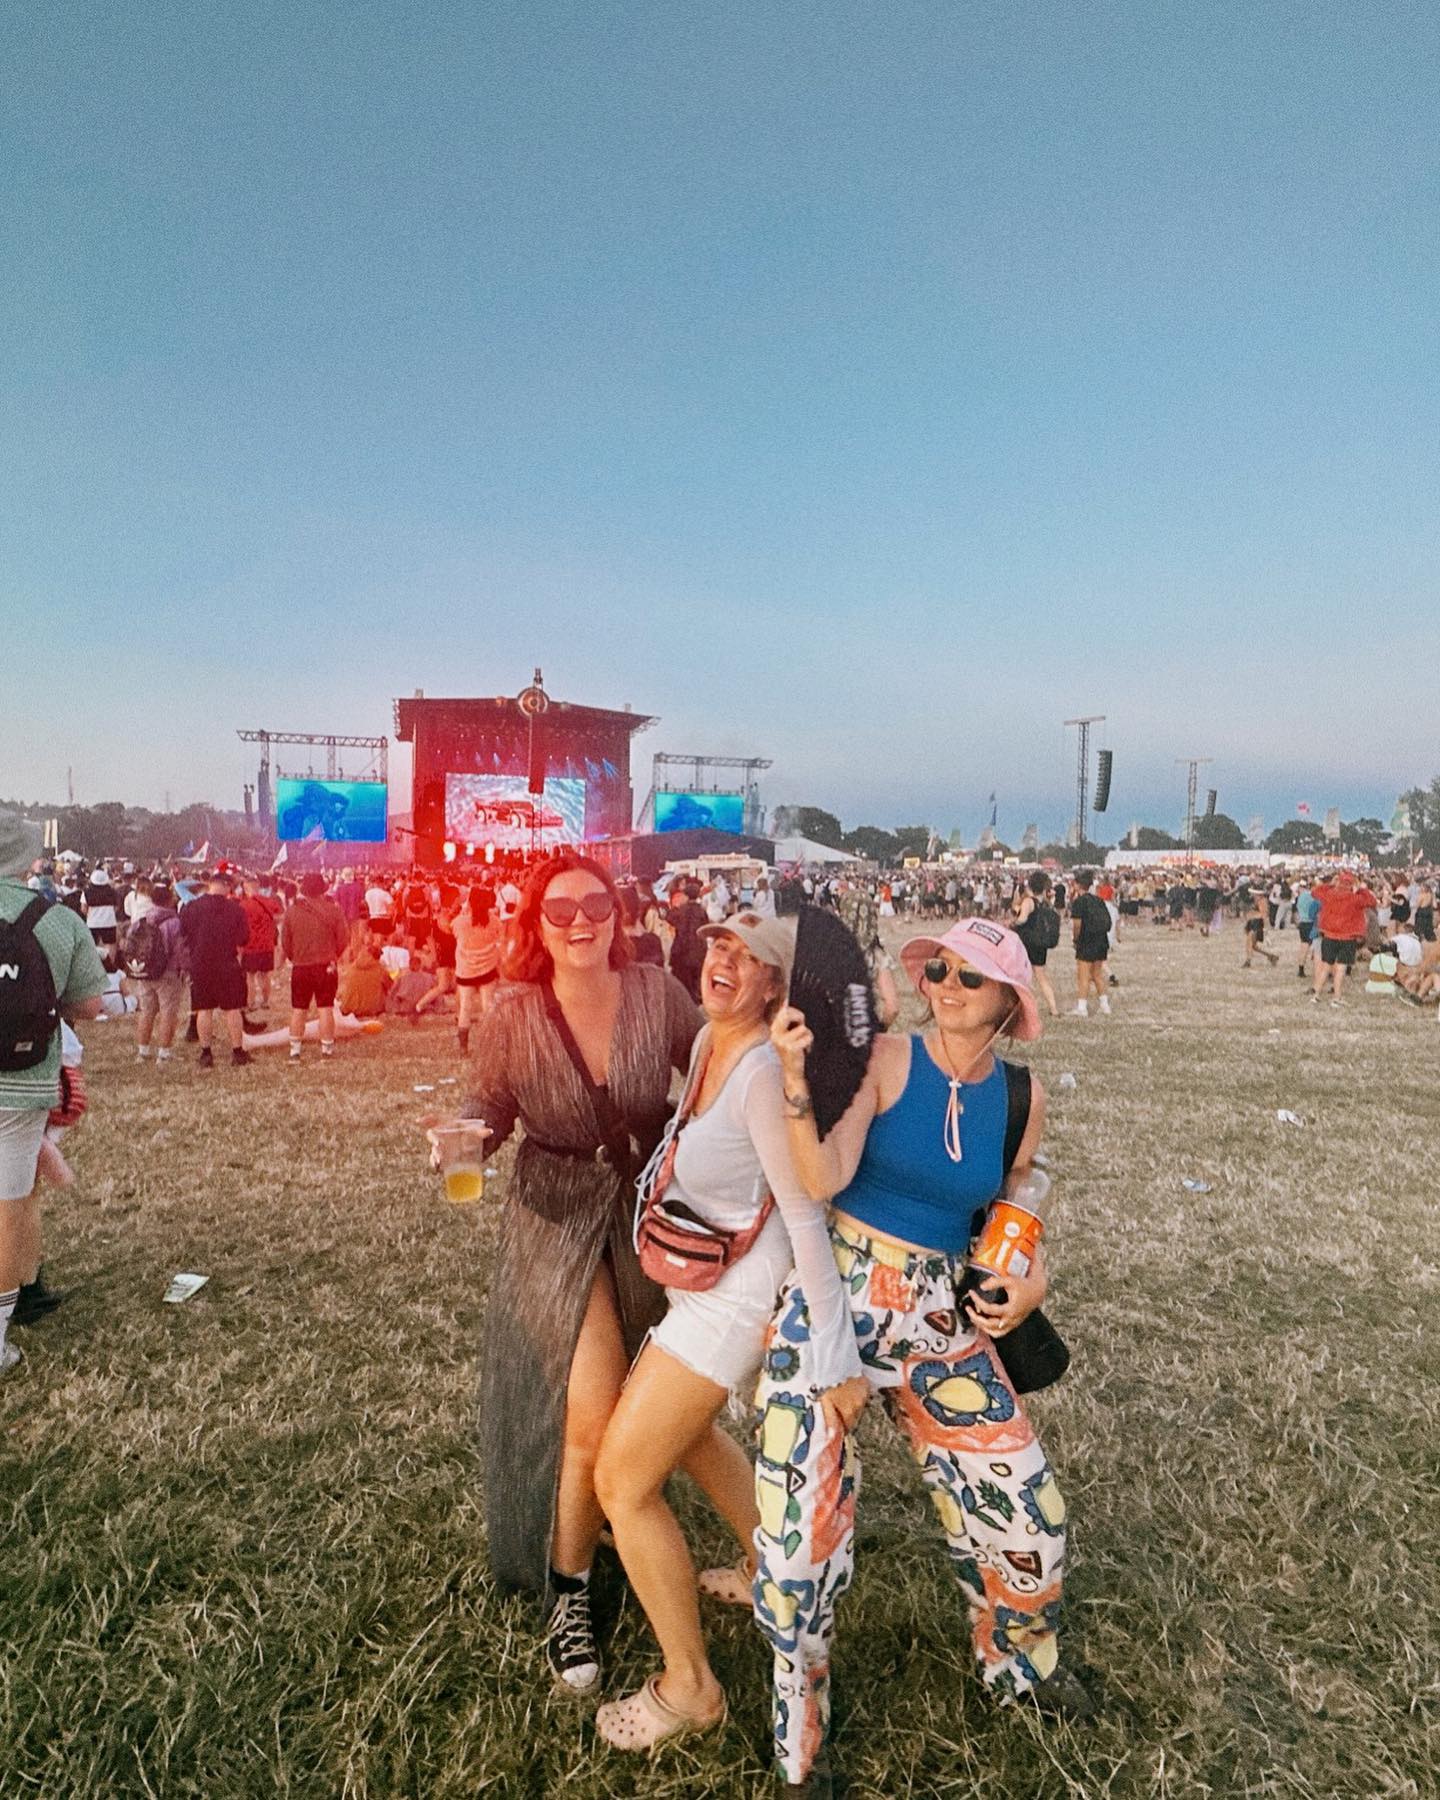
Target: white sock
[162,1055]
[1083,1008]
[7,1306]
[142,1052]
[294,1046]
[327,1046]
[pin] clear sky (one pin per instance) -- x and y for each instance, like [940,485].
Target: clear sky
[866,386]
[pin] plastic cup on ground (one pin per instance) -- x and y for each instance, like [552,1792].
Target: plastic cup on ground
[460,1158]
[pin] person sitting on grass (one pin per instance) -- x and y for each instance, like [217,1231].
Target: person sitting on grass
[363,985]
[412,985]
[395,956]
[1380,975]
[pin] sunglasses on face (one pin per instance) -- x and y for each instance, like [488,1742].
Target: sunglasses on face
[936,969]
[562,911]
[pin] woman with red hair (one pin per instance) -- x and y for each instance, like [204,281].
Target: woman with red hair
[578,1047]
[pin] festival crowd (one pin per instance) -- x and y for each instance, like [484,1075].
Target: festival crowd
[802,1235]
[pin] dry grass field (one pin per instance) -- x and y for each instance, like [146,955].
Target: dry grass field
[243,1550]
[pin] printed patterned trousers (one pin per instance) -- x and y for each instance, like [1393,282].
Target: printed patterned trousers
[1000,1508]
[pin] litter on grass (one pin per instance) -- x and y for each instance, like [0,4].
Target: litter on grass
[1067,1081]
[449,1081]
[424,1087]
[183,1288]
[1286,1117]
[1193,1185]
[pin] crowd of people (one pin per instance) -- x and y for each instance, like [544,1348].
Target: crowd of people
[657,1261]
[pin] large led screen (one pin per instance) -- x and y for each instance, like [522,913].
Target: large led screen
[500,810]
[332,812]
[695,812]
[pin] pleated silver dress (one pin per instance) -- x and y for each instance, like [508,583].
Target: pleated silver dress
[567,1206]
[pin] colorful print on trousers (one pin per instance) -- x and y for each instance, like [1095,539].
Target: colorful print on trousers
[999,1505]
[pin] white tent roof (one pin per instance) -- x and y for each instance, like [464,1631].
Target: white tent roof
[806,850]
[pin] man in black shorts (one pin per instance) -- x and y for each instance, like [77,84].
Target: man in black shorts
[1090,920]
[215,928]
[314,935]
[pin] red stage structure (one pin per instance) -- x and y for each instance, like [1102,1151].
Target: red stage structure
[518,772]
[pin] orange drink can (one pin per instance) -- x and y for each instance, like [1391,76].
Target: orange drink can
[1009,1241]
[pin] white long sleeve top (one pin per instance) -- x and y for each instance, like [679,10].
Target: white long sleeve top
[727,1158]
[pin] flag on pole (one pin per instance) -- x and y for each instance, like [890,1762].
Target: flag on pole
[283,857]
[1303,807]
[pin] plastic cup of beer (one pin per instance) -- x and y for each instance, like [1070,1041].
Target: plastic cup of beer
[460,1154]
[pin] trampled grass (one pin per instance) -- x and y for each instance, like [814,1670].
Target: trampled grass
[243,1549]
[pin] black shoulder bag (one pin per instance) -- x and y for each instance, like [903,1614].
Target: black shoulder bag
[1034,1354]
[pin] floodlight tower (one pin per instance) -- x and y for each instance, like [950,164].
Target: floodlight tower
[1194,764]
[1082,775]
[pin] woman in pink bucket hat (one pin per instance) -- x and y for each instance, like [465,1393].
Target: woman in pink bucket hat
[940,1128]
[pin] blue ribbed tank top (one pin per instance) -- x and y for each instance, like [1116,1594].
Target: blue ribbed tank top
[906,1186]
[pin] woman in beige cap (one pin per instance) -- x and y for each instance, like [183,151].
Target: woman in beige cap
[725,1154]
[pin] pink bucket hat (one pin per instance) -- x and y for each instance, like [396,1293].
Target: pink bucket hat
[990,949]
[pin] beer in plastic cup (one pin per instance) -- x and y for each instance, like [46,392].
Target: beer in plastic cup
[460,1152]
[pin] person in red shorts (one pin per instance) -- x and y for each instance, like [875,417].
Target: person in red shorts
[257,958]
[1343,905]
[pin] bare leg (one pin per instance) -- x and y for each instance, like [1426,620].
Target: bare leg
[664,1410]
[597,1374]
[204,1027]
[236,1030]
[19,1241]
[726,1476]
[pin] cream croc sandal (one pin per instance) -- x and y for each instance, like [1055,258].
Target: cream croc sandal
[732,1585]
[643,1720]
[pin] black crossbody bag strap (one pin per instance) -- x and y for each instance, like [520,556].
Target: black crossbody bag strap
[1017,1109]
[614,1134]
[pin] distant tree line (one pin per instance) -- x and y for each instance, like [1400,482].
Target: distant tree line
[134,832]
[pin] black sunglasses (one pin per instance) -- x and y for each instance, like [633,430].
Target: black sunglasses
[562,910]
[936,969]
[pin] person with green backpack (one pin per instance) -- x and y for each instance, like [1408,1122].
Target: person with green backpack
[49,969]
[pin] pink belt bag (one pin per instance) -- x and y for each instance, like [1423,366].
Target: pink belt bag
[677,1248]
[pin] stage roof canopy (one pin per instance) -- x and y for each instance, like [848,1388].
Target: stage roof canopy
[558,712]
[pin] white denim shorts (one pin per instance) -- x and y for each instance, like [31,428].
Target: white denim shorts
[20,1138]
[720,1333]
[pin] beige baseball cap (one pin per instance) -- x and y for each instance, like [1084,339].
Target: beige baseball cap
[769,941]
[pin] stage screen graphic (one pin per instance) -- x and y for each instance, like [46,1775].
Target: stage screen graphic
[693,812]
[500,810]
[332,812]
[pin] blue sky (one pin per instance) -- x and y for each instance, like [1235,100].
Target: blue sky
[869,387]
